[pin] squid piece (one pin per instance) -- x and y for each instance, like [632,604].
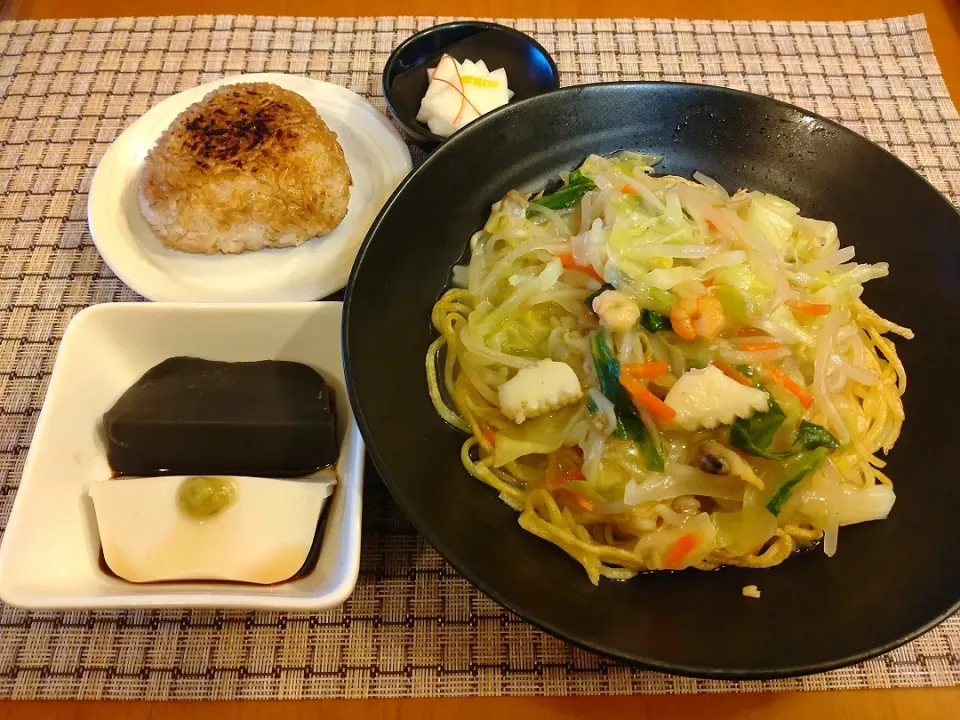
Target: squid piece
[707,398]
[539,390]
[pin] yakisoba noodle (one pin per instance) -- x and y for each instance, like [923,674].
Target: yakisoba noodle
[659,375]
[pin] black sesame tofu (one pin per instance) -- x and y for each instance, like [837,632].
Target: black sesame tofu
[189,416]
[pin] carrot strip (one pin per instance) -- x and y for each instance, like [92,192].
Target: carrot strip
[490,436]
[583,502]
[574,475]
[805,308]
[678,552]
[761,345]
[708,282]
[779,376]
[732,373]
[711,225]
[648,370]
[643,397]
[751,332]
[628,190]
[566,259]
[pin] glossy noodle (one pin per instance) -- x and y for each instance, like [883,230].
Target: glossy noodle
[658,375]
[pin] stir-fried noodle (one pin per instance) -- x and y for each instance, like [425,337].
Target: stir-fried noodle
[659,375]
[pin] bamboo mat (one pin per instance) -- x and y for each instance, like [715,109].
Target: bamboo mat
[413,627]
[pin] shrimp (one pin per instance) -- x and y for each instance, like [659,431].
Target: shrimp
[618,311]
[697,315]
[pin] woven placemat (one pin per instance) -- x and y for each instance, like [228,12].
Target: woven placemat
[413,627]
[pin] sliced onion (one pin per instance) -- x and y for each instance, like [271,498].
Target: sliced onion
[672,251]
[831,535]
[763,256]
[821,366]
[756,526]
[460,275]
[643,191]
[820,229]
[488,354]
[476,269]
[665,352]
[859,350]
[586,210]
[609,214]
[859,505]
[670,516]
[515,233]
[690,287]
[709,182]
[697,202]
[559,224]
[593,448]
[781,324]
[606,407]
[626,345]
[854,274]
[505,263]
[647,161]
[577,432]
[751,236]
[681,480]
[526,287]
[745,357]
[652,430]
[864,376]
[845,333]
[831,531]
[603,182]
[723,259]
[590,248]
[830,261]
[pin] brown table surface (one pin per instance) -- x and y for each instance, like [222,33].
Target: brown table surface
[943,20]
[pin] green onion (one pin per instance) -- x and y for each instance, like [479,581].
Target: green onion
[577,186]
[795,471]
[629,424]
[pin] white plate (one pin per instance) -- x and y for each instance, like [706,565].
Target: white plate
[49,558]
[378,160]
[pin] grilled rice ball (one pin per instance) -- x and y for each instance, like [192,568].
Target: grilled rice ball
[250,166]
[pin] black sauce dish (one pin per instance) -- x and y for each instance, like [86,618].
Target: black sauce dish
[889,581]
[530,69]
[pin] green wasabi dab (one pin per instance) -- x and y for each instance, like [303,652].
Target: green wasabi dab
[203,497]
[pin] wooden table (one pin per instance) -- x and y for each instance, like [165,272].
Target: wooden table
[943,19]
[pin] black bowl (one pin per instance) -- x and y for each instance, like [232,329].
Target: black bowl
[530,69]
[890,580]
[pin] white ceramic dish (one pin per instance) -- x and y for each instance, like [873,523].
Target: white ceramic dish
[376,154]
[49,558]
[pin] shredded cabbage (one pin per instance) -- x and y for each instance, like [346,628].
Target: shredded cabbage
[741,282]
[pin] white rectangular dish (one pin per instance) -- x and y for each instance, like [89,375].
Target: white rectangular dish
[49,558]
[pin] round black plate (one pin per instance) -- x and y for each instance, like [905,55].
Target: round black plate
[889,581]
